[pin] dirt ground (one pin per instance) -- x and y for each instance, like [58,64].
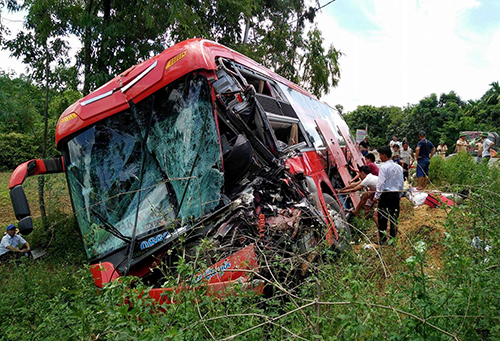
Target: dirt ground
[415,223]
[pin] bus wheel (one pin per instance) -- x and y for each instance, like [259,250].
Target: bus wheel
[343,230]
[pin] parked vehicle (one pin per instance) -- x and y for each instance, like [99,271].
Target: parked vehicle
[199,143]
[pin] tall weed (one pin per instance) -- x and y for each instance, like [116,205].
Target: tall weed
[395,292]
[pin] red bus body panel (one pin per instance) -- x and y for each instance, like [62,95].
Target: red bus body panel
[144,79]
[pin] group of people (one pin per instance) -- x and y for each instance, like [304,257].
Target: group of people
[385,185]
[484,146]
[403,155]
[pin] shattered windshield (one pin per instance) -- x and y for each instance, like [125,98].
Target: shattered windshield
[116,179]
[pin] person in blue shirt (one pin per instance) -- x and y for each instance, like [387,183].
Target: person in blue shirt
[424,152]
[390,187]
[13,245]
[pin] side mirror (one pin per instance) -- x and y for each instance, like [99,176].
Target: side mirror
[21,210]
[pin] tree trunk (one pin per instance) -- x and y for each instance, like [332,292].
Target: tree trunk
[41,179]
[87,51]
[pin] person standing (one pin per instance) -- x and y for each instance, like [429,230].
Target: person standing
[479,146]
[364,146]
[12,244]
[462,144]
[389,189]
[394,142]
[424,151]
[487,146]
[407,158]
[442,148]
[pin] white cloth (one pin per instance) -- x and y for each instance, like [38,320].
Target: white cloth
[370,181]
[486,144]
[390,179]
[417,198]
[13,241]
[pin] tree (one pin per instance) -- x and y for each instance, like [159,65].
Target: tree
[492,96]
[44,50]
[19,105]
[320,70]
[117,34]
[375,119]
[438,117]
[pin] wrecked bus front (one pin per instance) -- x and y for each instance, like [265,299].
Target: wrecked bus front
[202,143]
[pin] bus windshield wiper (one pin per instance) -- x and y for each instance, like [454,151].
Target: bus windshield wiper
[110,228]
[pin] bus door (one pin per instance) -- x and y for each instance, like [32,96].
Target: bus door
[356,155]
[337,157]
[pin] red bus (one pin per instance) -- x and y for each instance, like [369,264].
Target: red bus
[198,143]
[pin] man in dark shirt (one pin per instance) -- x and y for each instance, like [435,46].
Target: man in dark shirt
[364,146]
[424,151]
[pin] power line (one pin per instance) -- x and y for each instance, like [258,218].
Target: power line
[316,9]
[12,20]
[321,7]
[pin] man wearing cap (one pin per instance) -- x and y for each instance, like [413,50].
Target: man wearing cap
[442,148]
[12,244]
[424,151]
[487,145]
[462,144]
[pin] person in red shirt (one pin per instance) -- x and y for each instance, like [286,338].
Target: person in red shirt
[370,162]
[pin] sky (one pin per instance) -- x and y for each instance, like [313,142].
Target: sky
[14,23]
[396,52]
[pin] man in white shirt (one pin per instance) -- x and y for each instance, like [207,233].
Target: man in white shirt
[12,244]
[390,187]
[407,158]
[369,182]
[487,145]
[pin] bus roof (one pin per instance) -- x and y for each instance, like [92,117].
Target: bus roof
[145,78]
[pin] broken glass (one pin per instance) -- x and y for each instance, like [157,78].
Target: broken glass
[181,177]
[308,109]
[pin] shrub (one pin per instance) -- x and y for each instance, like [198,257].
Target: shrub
[18,148]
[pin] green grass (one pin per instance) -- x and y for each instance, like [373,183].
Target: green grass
[393,293]
[56,198]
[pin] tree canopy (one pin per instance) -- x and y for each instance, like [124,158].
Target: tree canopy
[442,118]
[282,35]
[116,34]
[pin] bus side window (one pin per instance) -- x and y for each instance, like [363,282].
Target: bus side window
[294,135]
